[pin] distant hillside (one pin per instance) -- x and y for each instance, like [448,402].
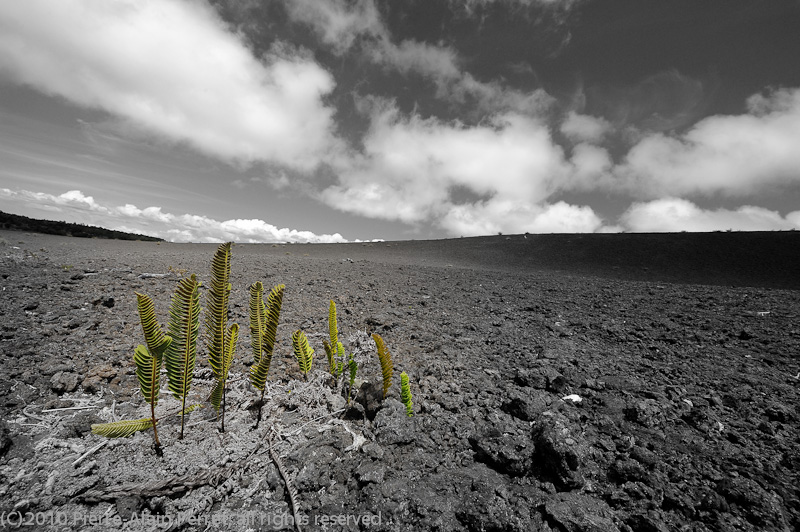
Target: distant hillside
[16,222]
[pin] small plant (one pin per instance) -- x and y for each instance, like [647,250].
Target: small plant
[184,324]
[302,352]
[263,329]
[219,338]
[180,272]
[148,358]
[353,369]
[334,348]
[387,367]
[405,394]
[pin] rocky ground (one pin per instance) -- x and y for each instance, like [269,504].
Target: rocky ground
[546,397]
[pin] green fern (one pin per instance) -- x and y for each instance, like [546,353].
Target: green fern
[149,358]
[387,367]
[184,325]
[405,394]
[333,327]
[122,429]
[258,320]
[216,320]
[217,397]
[331,358]
[353,368]
[263,330]
[302,352]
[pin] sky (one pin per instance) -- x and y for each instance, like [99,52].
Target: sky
[348,120]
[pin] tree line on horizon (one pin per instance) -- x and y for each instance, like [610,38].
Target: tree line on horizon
[16,222]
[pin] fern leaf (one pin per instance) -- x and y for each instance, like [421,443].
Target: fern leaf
[184,324]
[148,371]
[302,351]
[274,303]
[121,429]
[216,316]
[333,328]
[387,367]
[229,349]
[405,394]
[331,359]
[272,312]
[258,318]
[154,338]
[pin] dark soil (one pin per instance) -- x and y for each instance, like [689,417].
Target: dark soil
[561,383]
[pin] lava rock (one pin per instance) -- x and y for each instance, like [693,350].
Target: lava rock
[503,447]
[64,382]
[392,425]
[526,407]
[5,438]
[647,412]
[764,508]
[560,452]
[576,512]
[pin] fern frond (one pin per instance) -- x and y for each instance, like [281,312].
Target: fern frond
[302,351]
[387,367]
[154,337]
[258,318]
[331,358]
[405,394]
[272,311]
[229,348]
[274,303]
[148,371]
[184,324]
[333,327]
[216,313]
[121,429]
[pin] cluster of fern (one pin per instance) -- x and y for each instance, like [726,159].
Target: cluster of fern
[338,362]
[177,348]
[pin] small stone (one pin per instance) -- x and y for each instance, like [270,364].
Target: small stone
[64,382]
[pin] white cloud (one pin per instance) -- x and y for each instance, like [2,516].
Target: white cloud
[584,128]
[734,155]
[74,206]
[412,166]
[173,69]
[338,23]
[674,215]
[518,217]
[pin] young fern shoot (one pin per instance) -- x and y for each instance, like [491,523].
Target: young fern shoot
[387,367]
[217,397]
[184,325]
[263,330]
[302,352]
[333,347]
[216,320]
[405,394]
[148,360]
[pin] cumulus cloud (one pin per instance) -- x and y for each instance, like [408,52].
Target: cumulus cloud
[173,69]
[503,172]
[584,128]
[507,216]
[74,206]
[339,23]
[675,214]
[733,154]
